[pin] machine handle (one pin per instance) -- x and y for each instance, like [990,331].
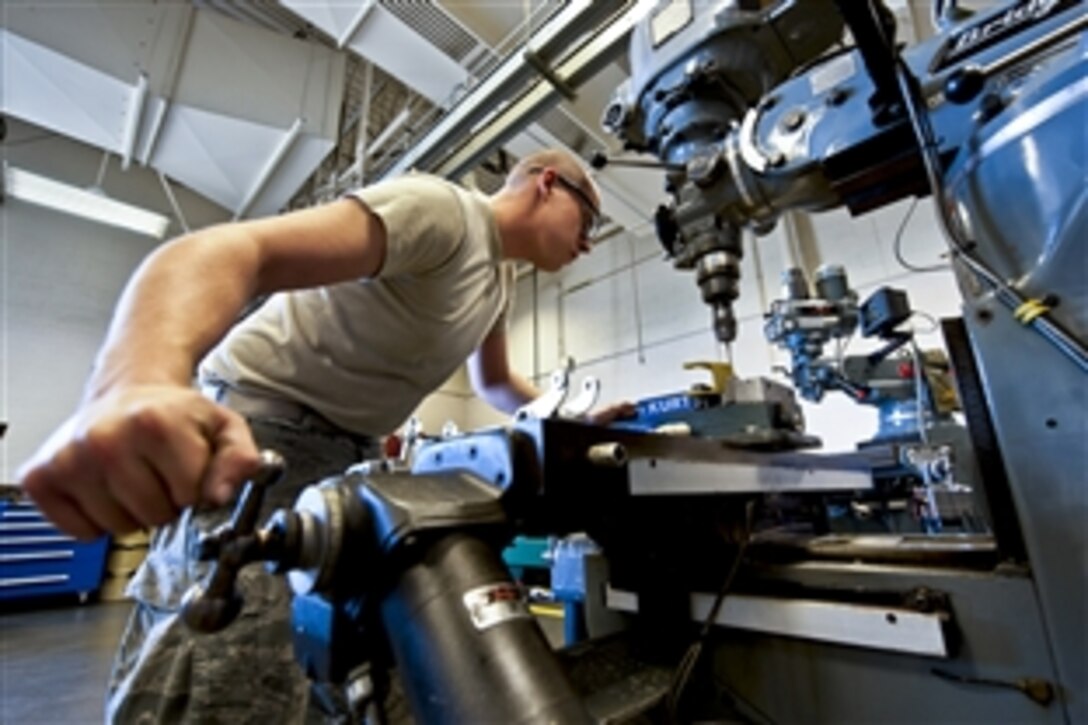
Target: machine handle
[212,605]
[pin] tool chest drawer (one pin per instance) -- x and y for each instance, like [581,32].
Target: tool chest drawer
[38,560]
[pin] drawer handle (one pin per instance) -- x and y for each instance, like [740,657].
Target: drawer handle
[28,526]
[16,540]
[31,514]
[36,556]
[34,580]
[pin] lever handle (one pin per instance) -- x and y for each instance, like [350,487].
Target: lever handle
[212,605]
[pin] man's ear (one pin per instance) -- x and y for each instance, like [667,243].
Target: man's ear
[545,180]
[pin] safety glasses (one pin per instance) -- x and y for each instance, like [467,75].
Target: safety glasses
[591,215]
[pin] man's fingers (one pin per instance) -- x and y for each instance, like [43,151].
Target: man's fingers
[142,493]
[131,494]
[76,472]
[182,468]
[235,459]
[104,510]
[58,508]
[178,456]
[618,411]
[137,458]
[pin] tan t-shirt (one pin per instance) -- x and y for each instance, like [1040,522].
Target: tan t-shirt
[364,353]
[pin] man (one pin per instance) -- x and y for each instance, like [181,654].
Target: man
[380,296]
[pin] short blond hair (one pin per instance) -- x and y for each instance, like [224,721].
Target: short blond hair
[563,161]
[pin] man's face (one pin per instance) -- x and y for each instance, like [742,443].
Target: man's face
[571,224]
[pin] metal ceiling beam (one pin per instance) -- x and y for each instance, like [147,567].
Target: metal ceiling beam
[133,118]
[356,22]
[269,168]
[508,79]
[605,46]
[170,84]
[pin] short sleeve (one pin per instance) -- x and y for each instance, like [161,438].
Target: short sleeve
[508,274]
[423,219]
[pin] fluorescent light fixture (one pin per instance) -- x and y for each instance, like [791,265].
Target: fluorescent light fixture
[35,189]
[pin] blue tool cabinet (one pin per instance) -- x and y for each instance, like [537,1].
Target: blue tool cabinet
[38,560]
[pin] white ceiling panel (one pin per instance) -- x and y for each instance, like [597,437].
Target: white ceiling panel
[49,89]
[118,38]
[247,71]
[221,157]
[211,153]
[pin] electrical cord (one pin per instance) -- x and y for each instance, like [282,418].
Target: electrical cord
[691,656]
[897,246]
[934,324]
[919,392]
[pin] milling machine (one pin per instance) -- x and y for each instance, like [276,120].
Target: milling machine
[754,113]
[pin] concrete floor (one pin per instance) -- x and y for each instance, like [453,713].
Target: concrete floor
[55,659]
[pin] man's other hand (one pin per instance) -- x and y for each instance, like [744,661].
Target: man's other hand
[611,413]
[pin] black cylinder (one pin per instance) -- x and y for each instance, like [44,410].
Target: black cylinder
[466,647]
[831,283]
[794,284]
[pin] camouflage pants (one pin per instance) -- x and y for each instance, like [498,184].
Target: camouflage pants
[165,673]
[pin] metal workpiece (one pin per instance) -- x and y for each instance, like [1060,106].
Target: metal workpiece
[742,413]
[554,401]
[607,454]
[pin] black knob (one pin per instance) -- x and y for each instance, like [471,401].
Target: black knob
[963,85]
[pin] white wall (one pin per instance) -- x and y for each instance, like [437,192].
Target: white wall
[60,277]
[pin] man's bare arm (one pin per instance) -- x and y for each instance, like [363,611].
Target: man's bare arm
[491,376]
[143,444]
[186,295]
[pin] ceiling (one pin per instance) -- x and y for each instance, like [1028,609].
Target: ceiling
[260,106]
